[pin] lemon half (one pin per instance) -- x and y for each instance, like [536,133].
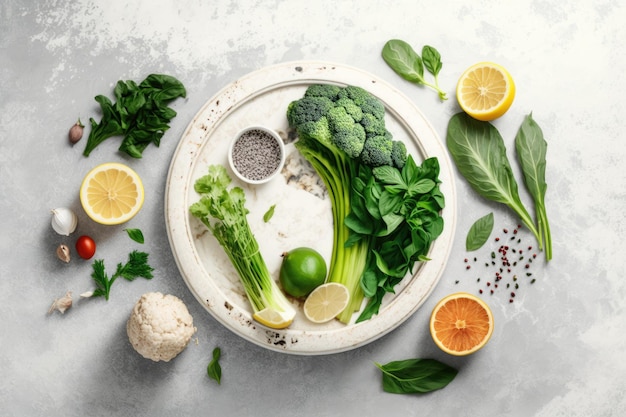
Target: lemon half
[111,193]
[485,91]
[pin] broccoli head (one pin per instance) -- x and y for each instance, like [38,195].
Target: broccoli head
[318,130]
[398,154]
[377,151]
[308,109]
[350,141]
[323,90]
[351,108]
[372,125]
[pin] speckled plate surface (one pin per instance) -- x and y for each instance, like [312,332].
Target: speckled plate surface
[302,215]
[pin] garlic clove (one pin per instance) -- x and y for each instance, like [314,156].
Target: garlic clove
[62,304]
[63,253]
[64,221]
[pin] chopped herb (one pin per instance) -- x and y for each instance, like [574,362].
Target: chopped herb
[136,235]
[137,266]
[269,213]
[214,370]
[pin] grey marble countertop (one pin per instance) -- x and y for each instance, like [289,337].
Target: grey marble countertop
[557,350]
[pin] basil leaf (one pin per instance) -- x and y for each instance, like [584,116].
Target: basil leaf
[531,150]
[412,376]
[389,175]
[401,57]
[214,370]
[431,59]
[269,213]
[479,232]
[135,234]
[480,156]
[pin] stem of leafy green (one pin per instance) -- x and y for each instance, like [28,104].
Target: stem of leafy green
[531,149]
[480,156]
[407,63]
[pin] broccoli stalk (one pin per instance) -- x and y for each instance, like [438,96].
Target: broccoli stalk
[336,170]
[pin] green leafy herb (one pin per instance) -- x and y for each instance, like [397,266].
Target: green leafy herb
[480,156]
[214,370]
[269,213]
[531,150]
[140,114]
[407,63]
[411,376]
[398,213]
[222,210]
[137,266]
[479,232]
[136,235]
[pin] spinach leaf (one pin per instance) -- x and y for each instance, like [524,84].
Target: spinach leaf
[411,376]
[531,149]
[407,63]
[432,60]
[214,370]
[480,156]
[401,57]
[479,232]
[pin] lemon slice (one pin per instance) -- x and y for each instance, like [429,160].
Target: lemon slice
[485,91]
[273,318]
[326,302]
[461,324]
[111,193]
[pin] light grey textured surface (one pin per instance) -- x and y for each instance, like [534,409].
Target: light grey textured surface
[556,351]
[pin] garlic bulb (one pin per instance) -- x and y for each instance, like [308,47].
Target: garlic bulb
[64,221]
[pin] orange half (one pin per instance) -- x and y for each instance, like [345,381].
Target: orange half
[461,324]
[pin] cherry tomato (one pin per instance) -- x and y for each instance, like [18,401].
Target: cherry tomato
[86,247]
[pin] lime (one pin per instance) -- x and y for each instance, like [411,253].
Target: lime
[326,302]
[302,270]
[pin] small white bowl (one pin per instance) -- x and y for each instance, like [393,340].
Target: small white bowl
[256,154]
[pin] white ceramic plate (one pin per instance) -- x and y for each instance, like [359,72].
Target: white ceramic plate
[302,215]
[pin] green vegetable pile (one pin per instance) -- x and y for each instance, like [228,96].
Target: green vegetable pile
[223,212]
[385,207]
[140,114]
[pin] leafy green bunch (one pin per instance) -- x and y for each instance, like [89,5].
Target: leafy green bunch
[141,114]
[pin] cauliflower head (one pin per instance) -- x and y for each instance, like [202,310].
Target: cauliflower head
[160,326]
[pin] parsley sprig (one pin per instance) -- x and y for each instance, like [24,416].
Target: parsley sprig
[137,266]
